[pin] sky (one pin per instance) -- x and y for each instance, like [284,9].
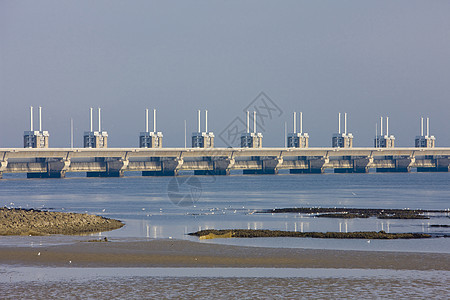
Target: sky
[366,58]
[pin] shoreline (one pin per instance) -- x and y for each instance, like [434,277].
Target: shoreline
[180,253]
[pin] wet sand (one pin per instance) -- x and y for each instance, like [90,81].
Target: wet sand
[178,253]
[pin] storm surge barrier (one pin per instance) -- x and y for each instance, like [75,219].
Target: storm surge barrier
[113,162]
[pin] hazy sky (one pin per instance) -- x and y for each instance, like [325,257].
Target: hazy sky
[366,58]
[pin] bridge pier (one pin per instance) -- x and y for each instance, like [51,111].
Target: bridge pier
[402,165]
[221,166]
[315,166]
[3,165]
[114,168]
[169,167]
[441,165]
[359,165]
[269,166]
[56,168]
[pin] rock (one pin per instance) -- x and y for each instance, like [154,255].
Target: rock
[35,222]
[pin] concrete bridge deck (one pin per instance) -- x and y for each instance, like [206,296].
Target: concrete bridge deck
[55,162]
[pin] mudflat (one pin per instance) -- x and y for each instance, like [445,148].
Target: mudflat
[18,221]
[180,253]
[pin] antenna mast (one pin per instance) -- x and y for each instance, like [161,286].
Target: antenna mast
[99,120]
[40,118]
[254,121]
[154,120]
[339,122]
[31,118]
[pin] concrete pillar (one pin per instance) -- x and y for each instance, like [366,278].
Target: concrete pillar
[442,164]
[361,165]
[269,165]
[169,167]
[358,165]
[402,164]
[56,168]
[114,168]
[221,166]
[346,163]
[3,165]
[314,165]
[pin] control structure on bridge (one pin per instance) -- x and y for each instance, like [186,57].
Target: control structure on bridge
[95,139]
[35,138]
[298,139]
[342,139]
[203,139]
[251,139]
[150,139]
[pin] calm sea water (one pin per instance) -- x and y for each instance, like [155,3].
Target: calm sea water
[171,207]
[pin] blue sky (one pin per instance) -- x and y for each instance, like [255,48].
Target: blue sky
[366,58]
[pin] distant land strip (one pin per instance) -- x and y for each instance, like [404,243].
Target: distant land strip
[347,213]
[255,233]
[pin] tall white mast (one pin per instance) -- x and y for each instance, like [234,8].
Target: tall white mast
[339,122]
[31,118]
[387,126]
[154,120]
[421,126]
[92,119]
[198,121]
[99,120]
[254,121]
[301,122]
[40,118]
[248,121]
[345,123]
[146,120]
[381,126]
[295,122]
[376,135]
[428,127]
[206,121]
